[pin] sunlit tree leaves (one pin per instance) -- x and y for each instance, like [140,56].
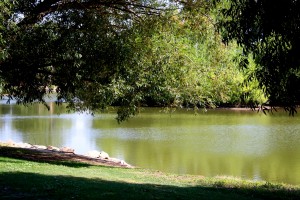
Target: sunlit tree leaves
[270,31]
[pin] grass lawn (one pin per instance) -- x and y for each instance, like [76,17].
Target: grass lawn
[22,179]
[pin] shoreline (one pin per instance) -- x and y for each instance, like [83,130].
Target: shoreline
[59,179]
[52,154]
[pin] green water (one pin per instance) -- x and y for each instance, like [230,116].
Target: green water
[219,142]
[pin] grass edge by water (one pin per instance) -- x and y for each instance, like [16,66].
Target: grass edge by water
[69,179]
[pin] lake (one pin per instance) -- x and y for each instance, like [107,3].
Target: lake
[243,144]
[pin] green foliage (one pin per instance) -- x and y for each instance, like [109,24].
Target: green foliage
[183,63]
[269,30]
[128,53]
[75,50]
[5,10]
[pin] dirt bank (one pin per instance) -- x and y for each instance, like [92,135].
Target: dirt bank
[45,155]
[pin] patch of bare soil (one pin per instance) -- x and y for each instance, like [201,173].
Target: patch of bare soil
[56,156]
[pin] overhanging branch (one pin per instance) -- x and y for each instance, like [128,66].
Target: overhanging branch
[132,7]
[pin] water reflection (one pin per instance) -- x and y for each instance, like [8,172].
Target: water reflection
[7,130]
[80,135]
[243,144]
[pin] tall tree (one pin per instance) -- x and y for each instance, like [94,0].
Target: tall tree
[75,47]
[270,31]
[184,63]
[96,53]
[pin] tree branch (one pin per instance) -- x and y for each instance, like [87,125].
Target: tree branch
[46,7]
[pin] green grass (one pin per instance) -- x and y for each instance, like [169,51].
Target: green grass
[21,179]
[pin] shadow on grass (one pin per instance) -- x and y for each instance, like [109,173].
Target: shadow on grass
[18,185]
[42,157]
[53,162]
